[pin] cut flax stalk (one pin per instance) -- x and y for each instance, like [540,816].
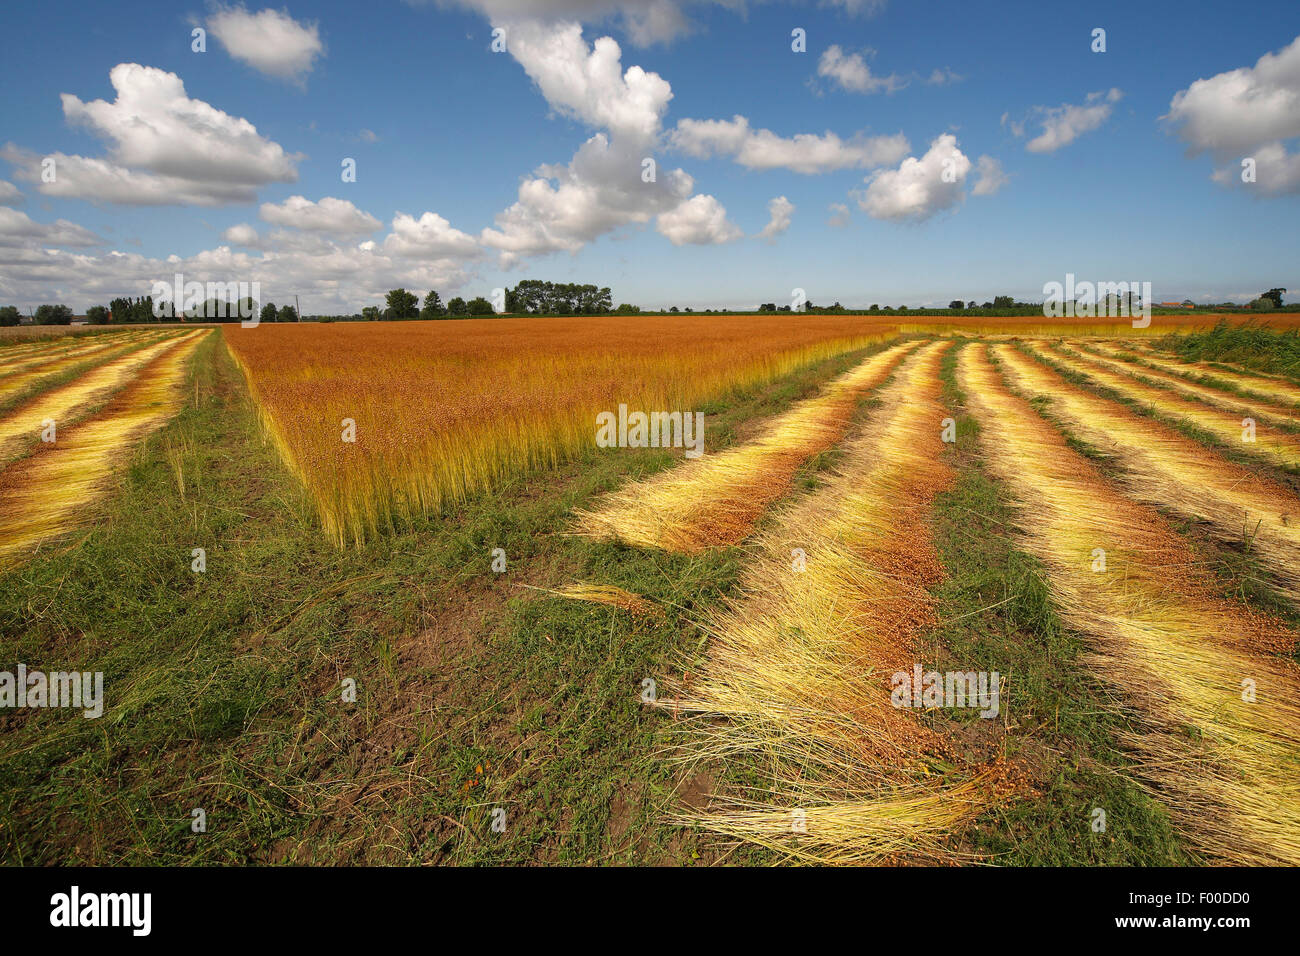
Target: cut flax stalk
[1227,768]
[1269,444]
[64,405]
[1242,406]
[1163,467]
[1273,387]
[716,500]
[45,494]
[798,668]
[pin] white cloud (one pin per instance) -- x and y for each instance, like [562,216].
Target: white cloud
[839,215]
[700,220]
[336,217]
[943,77]
[165,148]
[780,210]
[1062,125]
[990,179]
[1277,172]
[605,186]
[589,84]
[805,153]
[329,277]
[852,73]
[919,188]
[1246,112]
[563,207]
[270,41]
[242,235]
[431,237]
[1234,112]
[17,228]
[10,195]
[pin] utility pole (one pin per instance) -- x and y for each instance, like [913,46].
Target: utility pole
[296,307]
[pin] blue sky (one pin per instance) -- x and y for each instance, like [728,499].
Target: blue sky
[457,127]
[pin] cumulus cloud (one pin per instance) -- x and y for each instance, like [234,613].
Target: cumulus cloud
[839,215]
[242,235]
[17,228]
[589,84]
[1062,125]
[431,236]
[806,153]
[780,210]
[165,148]
[700,220]
[337,217]
[989,177]
[919,188]
[270,41]
[330,277]
[607,184]
[851,72]
[10,195]
[1246,112]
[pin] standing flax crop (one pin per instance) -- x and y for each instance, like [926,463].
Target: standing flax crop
[444,409]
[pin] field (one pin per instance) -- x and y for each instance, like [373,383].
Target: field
[378,593]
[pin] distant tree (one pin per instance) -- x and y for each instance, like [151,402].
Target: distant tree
[1003,302]
[457,306]
[1275,295]
[674,309]
[956,304]
[480,306]
[875,307]
[269,313]
[971,304]
[987,305]
[370,313]
[433,307]
[95,315]
[287,314]
[767,307]
[1262,304]
[53,315]
[402,304]
[9,315]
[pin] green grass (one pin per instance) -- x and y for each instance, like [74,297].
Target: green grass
[1252,346]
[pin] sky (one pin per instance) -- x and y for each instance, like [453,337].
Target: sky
[702,153]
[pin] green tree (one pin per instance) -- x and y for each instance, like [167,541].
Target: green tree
[956,304]
[287,314]
[457,306]
[1275,295]
[370,313]
[1003,302]
[53,315]
[433,307]
[9,315]
[480,306]
[97,315]
[269,313]
[403,304]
